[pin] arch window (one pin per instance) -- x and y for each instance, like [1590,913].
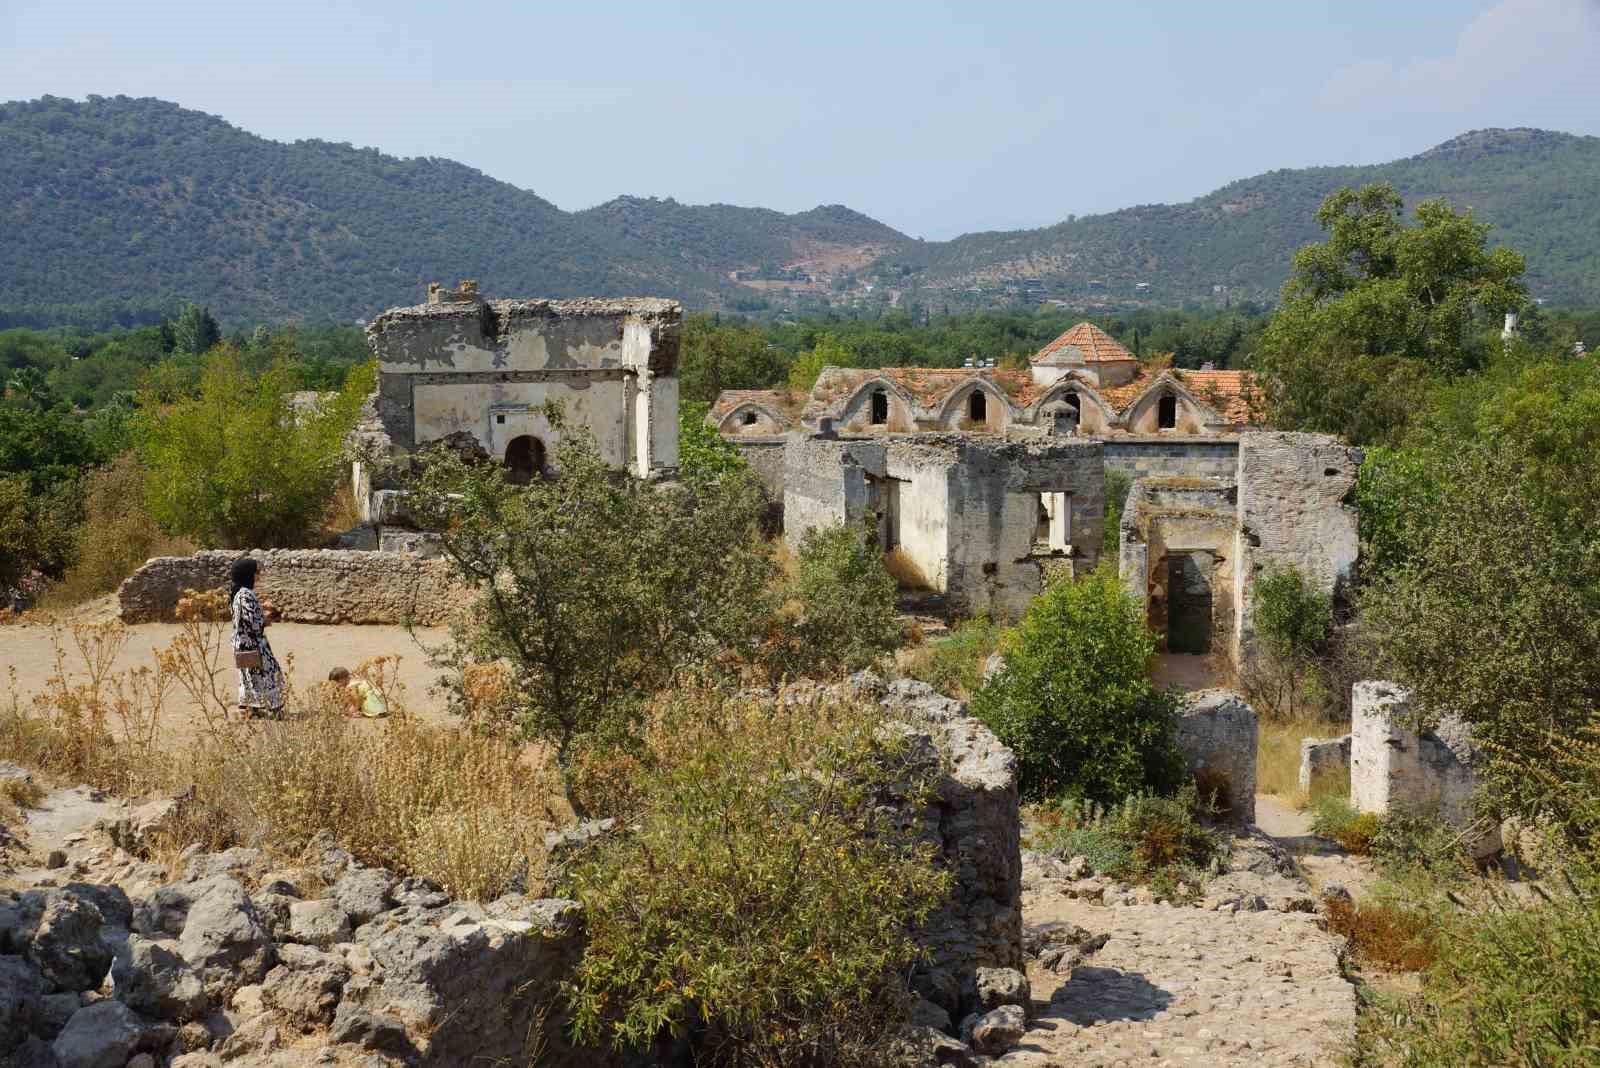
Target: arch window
[880,407]
[978,407]
[749,418]
[1167,412]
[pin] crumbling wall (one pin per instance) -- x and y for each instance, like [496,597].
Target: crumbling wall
[1393,768]
[1325,765]
[1165,517]
[825,482]
[306,585]
[765,455]
[1166,456]
[1294,511]
[1217,732]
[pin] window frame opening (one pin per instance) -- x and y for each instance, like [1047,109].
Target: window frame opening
[978,407]
[878,410]
[1167,412]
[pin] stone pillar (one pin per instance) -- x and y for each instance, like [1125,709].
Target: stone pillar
[1325,765]
[1217,732]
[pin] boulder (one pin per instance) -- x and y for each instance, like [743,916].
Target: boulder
[135,829]
[21,991]
[992,1033]
[421,893]
[223,940]
[63,940]
[152,978]
[104,1035]
[369,1030]
[920,1046]
[1001,986]
[319,923]
[364,892]
[305,986]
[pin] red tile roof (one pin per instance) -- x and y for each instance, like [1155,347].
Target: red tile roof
[1233,394]
[1093,343]
[785,402]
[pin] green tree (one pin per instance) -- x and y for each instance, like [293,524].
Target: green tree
[848,601]
[1074,700]
[827,352]
[701,450]
[715,356]
[235,465]
[1371,313]
[195,331]
[596,588]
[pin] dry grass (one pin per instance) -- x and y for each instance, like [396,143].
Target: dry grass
[1278,754]
[463,809]
[904,570]
[1389,936]
[343,515]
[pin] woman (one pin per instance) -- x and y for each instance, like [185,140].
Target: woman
[260,678]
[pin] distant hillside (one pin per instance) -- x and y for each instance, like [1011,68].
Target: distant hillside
[1540,191]
[144,201]
[140,203]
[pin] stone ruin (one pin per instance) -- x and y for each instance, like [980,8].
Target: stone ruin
[1388,765]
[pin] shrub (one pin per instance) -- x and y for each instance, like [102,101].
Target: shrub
[954,664]
[846,600]
[596,588]
[702,451]
[1075,702]
[36,529]
[235,464]
[1516,984]
[1146,839]
[1334,817]
[117,534]
[1388,935]
[761,903]
[1118,485]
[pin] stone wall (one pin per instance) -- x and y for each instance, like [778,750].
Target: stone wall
[1164,455]
[1293,512]
[1217,732]
[1325,765]
[765,455]
[1166,517]
[1395,769]
[306,585]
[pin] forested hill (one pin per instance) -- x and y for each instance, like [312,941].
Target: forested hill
[1539,190]
[117,200]
[133,205]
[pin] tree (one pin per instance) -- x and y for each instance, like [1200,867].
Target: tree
[715,356]
[596,588]
[827,352]
[234,464]
[701,450]
[848,601]
[1377,309]
[195,331]
[1074,700]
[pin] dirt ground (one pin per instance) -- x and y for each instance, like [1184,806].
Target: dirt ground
[307,651]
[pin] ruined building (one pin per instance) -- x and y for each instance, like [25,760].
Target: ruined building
[480,373]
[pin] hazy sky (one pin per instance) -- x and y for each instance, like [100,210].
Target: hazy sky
[937,118]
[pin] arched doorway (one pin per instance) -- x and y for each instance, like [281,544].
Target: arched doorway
[524,459]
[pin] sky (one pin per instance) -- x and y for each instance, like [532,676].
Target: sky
[936,118]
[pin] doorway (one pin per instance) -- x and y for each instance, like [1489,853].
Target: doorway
[1189,603]
[524,459]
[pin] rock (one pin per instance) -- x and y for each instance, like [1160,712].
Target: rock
[305,986]
[142,1060]
[1335,892]
[34,1052]
[248,1001]
[103,1035]
[63,941]
[319,923]
[925,1013]
[272,912]
[56,859]
[993,1033]
[363,893]
[920,1046]
[238,861]
[135,829]
[369,1030]
[113,903]
[54,1012]
[1001,986]
[1078,868]
[223,941]
[259,1034]
[21,990]
[418,892]
[152,978]
[166,910]
[285,883]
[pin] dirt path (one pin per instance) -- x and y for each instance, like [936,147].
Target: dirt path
[1322,862]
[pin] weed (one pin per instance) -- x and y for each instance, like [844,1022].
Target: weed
[1336,818]
[953,664]
[1388,935]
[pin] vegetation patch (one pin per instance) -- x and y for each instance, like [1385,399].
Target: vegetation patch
[1165,842]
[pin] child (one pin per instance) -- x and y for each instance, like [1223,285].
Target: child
[360,696]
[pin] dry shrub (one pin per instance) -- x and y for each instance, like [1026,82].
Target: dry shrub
[116,537]
[1387,935]
[905,571]
[1333,816]
[1215,789]
[343,515]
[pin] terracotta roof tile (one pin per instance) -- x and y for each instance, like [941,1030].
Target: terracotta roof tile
[1233,394]
[1093,343]
[785,402]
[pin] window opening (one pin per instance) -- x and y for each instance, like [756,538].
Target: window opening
[1167,412]
[978,407]
[880,407]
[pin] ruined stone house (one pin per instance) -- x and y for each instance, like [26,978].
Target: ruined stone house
[463,367]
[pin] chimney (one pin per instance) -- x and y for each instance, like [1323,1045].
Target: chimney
[968,363]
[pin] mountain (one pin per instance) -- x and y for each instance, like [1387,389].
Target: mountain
[1539,190]
[120,202]
[143,201]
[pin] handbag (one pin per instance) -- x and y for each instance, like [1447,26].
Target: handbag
[247,659]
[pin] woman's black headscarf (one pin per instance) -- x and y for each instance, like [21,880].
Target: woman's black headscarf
[243,576]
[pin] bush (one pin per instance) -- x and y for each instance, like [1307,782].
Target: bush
[701,450]
[235,465]
[846,603]
[761,904]
[953,664]
[1334,817]
[1517,985]
[1391,936]
[1162,841]
[117,534]
[1118,485]
[1075,702]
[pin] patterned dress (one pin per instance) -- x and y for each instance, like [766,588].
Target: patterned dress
[260,689]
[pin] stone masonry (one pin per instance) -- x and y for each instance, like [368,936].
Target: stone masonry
[306,586]
[1217,734]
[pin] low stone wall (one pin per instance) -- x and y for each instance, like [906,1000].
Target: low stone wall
[1394,769]
[1217,733]
[765,457]
[306,585]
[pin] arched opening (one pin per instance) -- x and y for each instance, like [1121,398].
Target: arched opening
[978,407]
[1167,412]
[524,459]
[1065,415]
[880,407]
[749,418]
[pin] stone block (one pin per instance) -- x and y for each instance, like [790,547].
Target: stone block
[1325,765]
[1217,732]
